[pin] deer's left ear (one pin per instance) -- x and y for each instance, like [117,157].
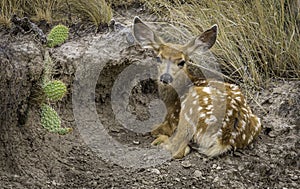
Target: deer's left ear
[202,42]
[144,35]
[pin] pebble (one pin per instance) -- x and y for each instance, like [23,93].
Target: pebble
[214,166]
[156,171]
[240,167]
[197,174]
[186,164]
[216,179]
[136,142]
[294,177]
[177,179]
[218,168]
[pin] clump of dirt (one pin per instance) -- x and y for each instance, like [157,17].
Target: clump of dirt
[33,158]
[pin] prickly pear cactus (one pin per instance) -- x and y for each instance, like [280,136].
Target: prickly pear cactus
[51,121]
[58,35]
[55,90]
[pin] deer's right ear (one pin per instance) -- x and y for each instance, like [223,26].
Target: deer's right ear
[144,35]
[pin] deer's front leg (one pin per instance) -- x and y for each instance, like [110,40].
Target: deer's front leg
[162,129]
[177,152]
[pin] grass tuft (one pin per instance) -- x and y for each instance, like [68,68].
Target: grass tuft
[96,11]
[7,9]
[56,11]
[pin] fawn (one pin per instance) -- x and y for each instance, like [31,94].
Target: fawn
[209,116]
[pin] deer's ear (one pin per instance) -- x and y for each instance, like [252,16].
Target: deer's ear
[144,35]
[202,42]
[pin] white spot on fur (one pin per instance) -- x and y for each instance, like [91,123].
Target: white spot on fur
[234,87]
[236,92]
[211,120]
[244,136]
[231,141]
[191,111]
[200,108]
[224,124]
[238,98]
[205,100]
[234,107]
[250,139]
[207,90]
[243,125]
[227,119]
[209,107]
[195,102]
[234,134]
[229,112]
[233,102]
[245,110]
[219,133]
[202,115]
[209,113]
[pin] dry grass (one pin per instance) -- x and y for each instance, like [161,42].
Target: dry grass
[56,11]
[7,9]
[48,10]
[96,11]
[258,40]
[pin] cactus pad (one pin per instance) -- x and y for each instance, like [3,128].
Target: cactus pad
[55,90]
[58,35]
[51,121]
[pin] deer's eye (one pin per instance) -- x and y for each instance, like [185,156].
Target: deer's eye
[181,64]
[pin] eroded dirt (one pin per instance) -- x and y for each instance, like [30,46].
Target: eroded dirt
[33,158]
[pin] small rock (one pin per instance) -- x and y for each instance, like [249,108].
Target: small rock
[214,166]
[54,183]
[218,168]
[272,134]
[136,142]
[293,177]
[186,164]
[93,183]
[156,171]
[240,168]
[197,174]
[177,179]
[216,179]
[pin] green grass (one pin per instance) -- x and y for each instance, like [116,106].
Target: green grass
[257,40]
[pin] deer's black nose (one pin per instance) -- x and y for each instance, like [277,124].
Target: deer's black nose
[166,78]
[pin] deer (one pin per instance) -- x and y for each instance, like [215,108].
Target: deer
[206,115]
